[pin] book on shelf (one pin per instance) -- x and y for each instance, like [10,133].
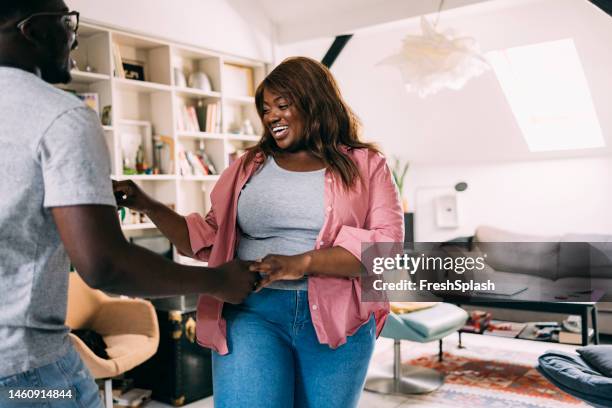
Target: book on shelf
[196,163]
[118,61]
[200,118]
[187,119]
[213,113]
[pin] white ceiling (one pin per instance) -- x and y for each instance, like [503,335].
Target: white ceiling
[298,20]
[475,123]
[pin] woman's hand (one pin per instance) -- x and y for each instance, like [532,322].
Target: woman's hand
[129,195]
[280,267]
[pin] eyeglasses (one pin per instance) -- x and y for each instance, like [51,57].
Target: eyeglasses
[69,19]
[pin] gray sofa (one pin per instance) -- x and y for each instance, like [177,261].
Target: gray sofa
[550,263]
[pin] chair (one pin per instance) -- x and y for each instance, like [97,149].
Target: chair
[422,326]
[128,327]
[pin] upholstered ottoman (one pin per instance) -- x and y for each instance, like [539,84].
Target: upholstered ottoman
[422,326]
[574,375]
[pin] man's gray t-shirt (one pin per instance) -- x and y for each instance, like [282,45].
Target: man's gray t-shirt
[53,154]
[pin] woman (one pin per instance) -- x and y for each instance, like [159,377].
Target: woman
[299,204]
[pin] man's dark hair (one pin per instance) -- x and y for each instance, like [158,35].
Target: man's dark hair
[15,9]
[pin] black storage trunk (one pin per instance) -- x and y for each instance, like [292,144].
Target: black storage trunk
[181,370]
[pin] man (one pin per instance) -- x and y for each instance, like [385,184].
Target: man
[56,200]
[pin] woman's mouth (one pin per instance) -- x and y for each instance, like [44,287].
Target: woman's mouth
[280,131]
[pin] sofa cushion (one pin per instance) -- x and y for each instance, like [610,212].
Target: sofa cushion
[519,253]
[598,357]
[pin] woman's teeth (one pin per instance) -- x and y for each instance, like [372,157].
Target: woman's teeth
[279,130]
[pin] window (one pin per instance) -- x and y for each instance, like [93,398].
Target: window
[548,93]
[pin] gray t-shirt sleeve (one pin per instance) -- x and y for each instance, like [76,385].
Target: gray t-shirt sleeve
[75,161]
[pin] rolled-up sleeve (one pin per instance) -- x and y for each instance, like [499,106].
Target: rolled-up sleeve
[202,233]
[385,220]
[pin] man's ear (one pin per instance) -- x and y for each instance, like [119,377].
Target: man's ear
[34,34]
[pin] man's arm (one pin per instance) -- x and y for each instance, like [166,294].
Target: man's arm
[94,241]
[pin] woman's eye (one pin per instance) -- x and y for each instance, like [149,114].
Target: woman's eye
[283,107]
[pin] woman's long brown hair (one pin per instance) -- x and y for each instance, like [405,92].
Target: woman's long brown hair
[329,123]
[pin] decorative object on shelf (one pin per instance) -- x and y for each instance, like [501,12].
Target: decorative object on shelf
[179,78]
[107,115]
[164,148]
[91,99]
[201,81]
[134,70]
[437,60]
[238,80]
[130,143]
[247,128]
[399,173]
[136,146]
[233,153]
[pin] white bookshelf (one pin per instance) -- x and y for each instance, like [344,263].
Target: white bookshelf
[153,107]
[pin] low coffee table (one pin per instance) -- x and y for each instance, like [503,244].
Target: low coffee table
[581,304]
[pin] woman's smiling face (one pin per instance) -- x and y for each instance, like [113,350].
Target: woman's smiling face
[284,121]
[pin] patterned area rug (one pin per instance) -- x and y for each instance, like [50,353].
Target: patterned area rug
[489,377]
[496,376]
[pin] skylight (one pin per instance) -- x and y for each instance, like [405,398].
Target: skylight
[549,95]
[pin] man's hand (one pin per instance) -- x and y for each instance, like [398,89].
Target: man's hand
[236,281]
[281,267]
[128,194]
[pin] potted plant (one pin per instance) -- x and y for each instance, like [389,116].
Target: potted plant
[399,171]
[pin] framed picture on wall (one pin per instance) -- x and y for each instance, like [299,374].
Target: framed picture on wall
[134,70]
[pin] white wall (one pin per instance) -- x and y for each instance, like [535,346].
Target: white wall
[545,197]
[235,27]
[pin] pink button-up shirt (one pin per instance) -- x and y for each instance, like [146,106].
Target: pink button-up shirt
[368,212]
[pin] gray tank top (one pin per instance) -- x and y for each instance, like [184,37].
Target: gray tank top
[281,212]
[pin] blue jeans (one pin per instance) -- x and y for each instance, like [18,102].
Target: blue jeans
[276,361]
[68,372]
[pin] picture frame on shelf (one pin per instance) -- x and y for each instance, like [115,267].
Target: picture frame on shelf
[107,115]
[238,80]
[134,70]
